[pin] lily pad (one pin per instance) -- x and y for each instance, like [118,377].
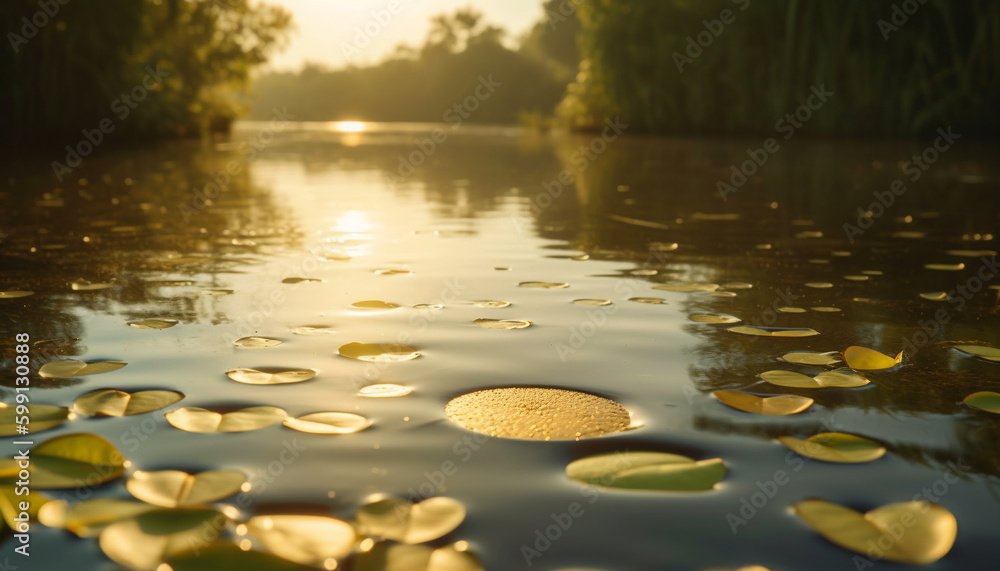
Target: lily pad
[219,556]
[175,489]
[856,278]
[836,447]
[935,295]
[819,285]
[195,419]
[811,358]
[42,416]
[313,330]
[492,304]
[255,377]
[929,536]
[826,309]
[538,413]
[869,360]
[842,378]
[375,304]
[778,405]
[378,352]
[647,471]
[84,285]
[406,522]
[971,253]
[384,390]
[389,556]
[773,331]
[592,302]
[13,294]
[649,300]
[89,517]
[255,342]
[945,267]
[67,462]
[433,306]
[153,323]
[544,285]
[296,280]
[786,309]
[328,423]
[68,369]
[988,401]
[714,318]
[982,351]
[144,541]
[113,402]
[686,287]
[306,539]
[10,506]
[502,323]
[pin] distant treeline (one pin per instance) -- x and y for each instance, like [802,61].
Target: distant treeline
[423,83]
[127,69]
[896,67]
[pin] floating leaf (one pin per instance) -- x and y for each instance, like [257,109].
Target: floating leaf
[299,280]
[406,522]
[10,506]
[945,267]
[872,272]
[67,369]
[686,287]
[144,541]
[305,539]
[255,342]
[388,556]
[737,285]
[649,300]
[374,304]
[12,294]
[791,309]
[647,471]
[984,400]
[811,358]
[194,419]
[391,272]
[930,529]
[981,351]
[328,423]
[434,306]
[592,302]
[313,330]
[502,323]
[89,517]
[537,413]
[819,285]
[779,405]
[869,360]
[856,278]
[384,390]
[843,378]
[836,447]
[153,323]
[544,285]
[84,285]
[714,318]
[42,417]
[67,461]
[378,352]
[773,331]
[113,402]
[723,294]
[826,309]
[277,377]
[174,489]
[491,304]
[971,253]
[935,295]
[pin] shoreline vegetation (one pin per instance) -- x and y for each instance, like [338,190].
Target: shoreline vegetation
[121,72]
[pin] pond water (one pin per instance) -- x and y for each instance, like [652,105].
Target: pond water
[483,211]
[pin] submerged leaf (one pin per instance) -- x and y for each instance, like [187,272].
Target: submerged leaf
[406,522]
[778,405]
[255,377]
[378,352]
[869,359]
[112,402]
[328,423]
[988,401]
[836,447]
[502,323]
[195,419]
[173,488]
[66,461]
[647,471]
[930,529]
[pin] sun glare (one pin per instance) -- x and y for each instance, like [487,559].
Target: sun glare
[349,126]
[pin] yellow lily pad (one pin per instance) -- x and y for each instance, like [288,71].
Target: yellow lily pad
[313,330]
[174,489]
[843,378]
[153,323]
[384,390]
[84,285]
[773,331]
[778,405]
[930,529]
[13,294]
[113,402]
[971,253]
[491,304]
[144,541]
[195,419]
[67,369]
[649,300]
[89,517]
[592,302]
[836,447]
[945,267]
[687,287]
[982,351]
[42,417]
[787,309]
[305,539]
[375,304]
[255,377]
[647,471]
[378,352]
[826,309]
[255,342]
[328,423]
[935,295]
[10,507]
[819,285]
[389,556]
[412,523]
[988,401]
[811,358]
[869,360]
[544,285]
[66,461]
[502,323]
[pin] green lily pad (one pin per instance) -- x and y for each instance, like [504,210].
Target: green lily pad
[68,462]
[836,447]
[42,417]
[648,471]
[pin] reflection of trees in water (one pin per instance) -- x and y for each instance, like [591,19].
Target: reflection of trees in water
[119,221]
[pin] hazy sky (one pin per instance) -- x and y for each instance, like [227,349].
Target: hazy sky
[327,29]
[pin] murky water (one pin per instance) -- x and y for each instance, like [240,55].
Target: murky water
[483,211]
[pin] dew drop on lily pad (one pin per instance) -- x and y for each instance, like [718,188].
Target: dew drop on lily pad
[538,413]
